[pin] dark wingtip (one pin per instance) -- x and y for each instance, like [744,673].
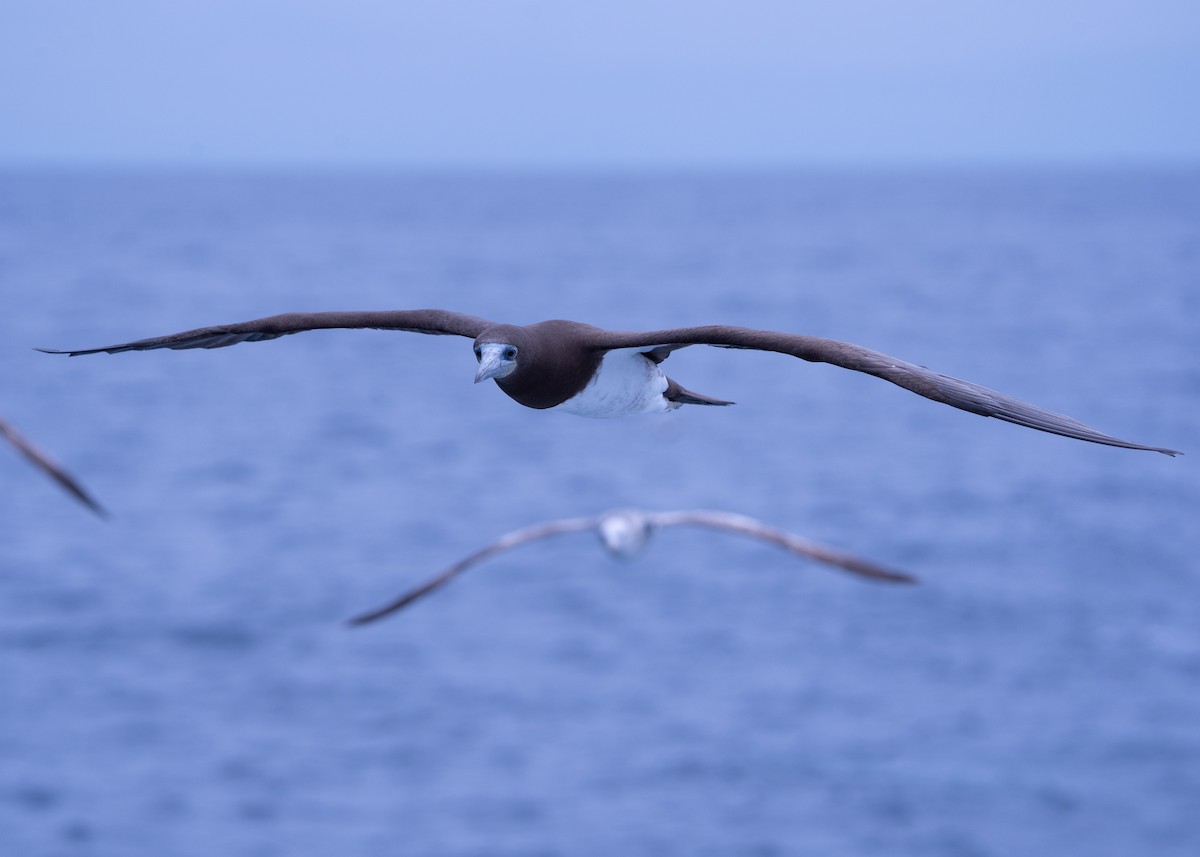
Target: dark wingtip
[885,575]
[367,618]
[378,613]
[1162,449]
[101,513]
[81,495]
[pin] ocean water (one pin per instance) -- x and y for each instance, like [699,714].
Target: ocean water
[178,679]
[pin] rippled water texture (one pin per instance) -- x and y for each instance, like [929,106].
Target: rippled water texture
[178,680]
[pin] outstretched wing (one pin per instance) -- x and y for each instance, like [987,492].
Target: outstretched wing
[432,321]
[732,523]
[924,382]
[505,542]
[46,465]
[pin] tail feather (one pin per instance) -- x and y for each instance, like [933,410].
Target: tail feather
[677,394]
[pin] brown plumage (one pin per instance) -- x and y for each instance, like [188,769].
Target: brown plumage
[566,364]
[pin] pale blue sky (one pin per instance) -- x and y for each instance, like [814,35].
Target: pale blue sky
[623,83]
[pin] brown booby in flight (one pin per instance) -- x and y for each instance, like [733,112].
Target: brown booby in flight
[593,372]
[44,463]
[624,532]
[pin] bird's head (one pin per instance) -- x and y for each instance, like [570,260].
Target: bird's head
[624,532]
[497,352]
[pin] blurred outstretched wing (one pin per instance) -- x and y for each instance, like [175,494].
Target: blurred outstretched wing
[750,527]
[43,462]
[505,542]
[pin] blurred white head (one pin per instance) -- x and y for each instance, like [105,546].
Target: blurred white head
[624,532]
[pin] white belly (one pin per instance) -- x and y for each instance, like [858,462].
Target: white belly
[626,383]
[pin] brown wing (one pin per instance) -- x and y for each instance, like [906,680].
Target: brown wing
[49,467]
[924,382]
[802,547]
[431,321]
[505,542]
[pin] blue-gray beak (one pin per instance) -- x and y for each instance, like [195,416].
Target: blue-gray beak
[493,363]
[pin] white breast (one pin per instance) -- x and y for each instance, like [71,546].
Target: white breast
[627,382]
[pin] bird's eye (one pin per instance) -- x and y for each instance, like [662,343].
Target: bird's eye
[478,353]
[510,353]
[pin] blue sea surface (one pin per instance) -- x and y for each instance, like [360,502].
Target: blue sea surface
[178,679]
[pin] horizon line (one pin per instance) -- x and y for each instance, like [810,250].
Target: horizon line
[286,166]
